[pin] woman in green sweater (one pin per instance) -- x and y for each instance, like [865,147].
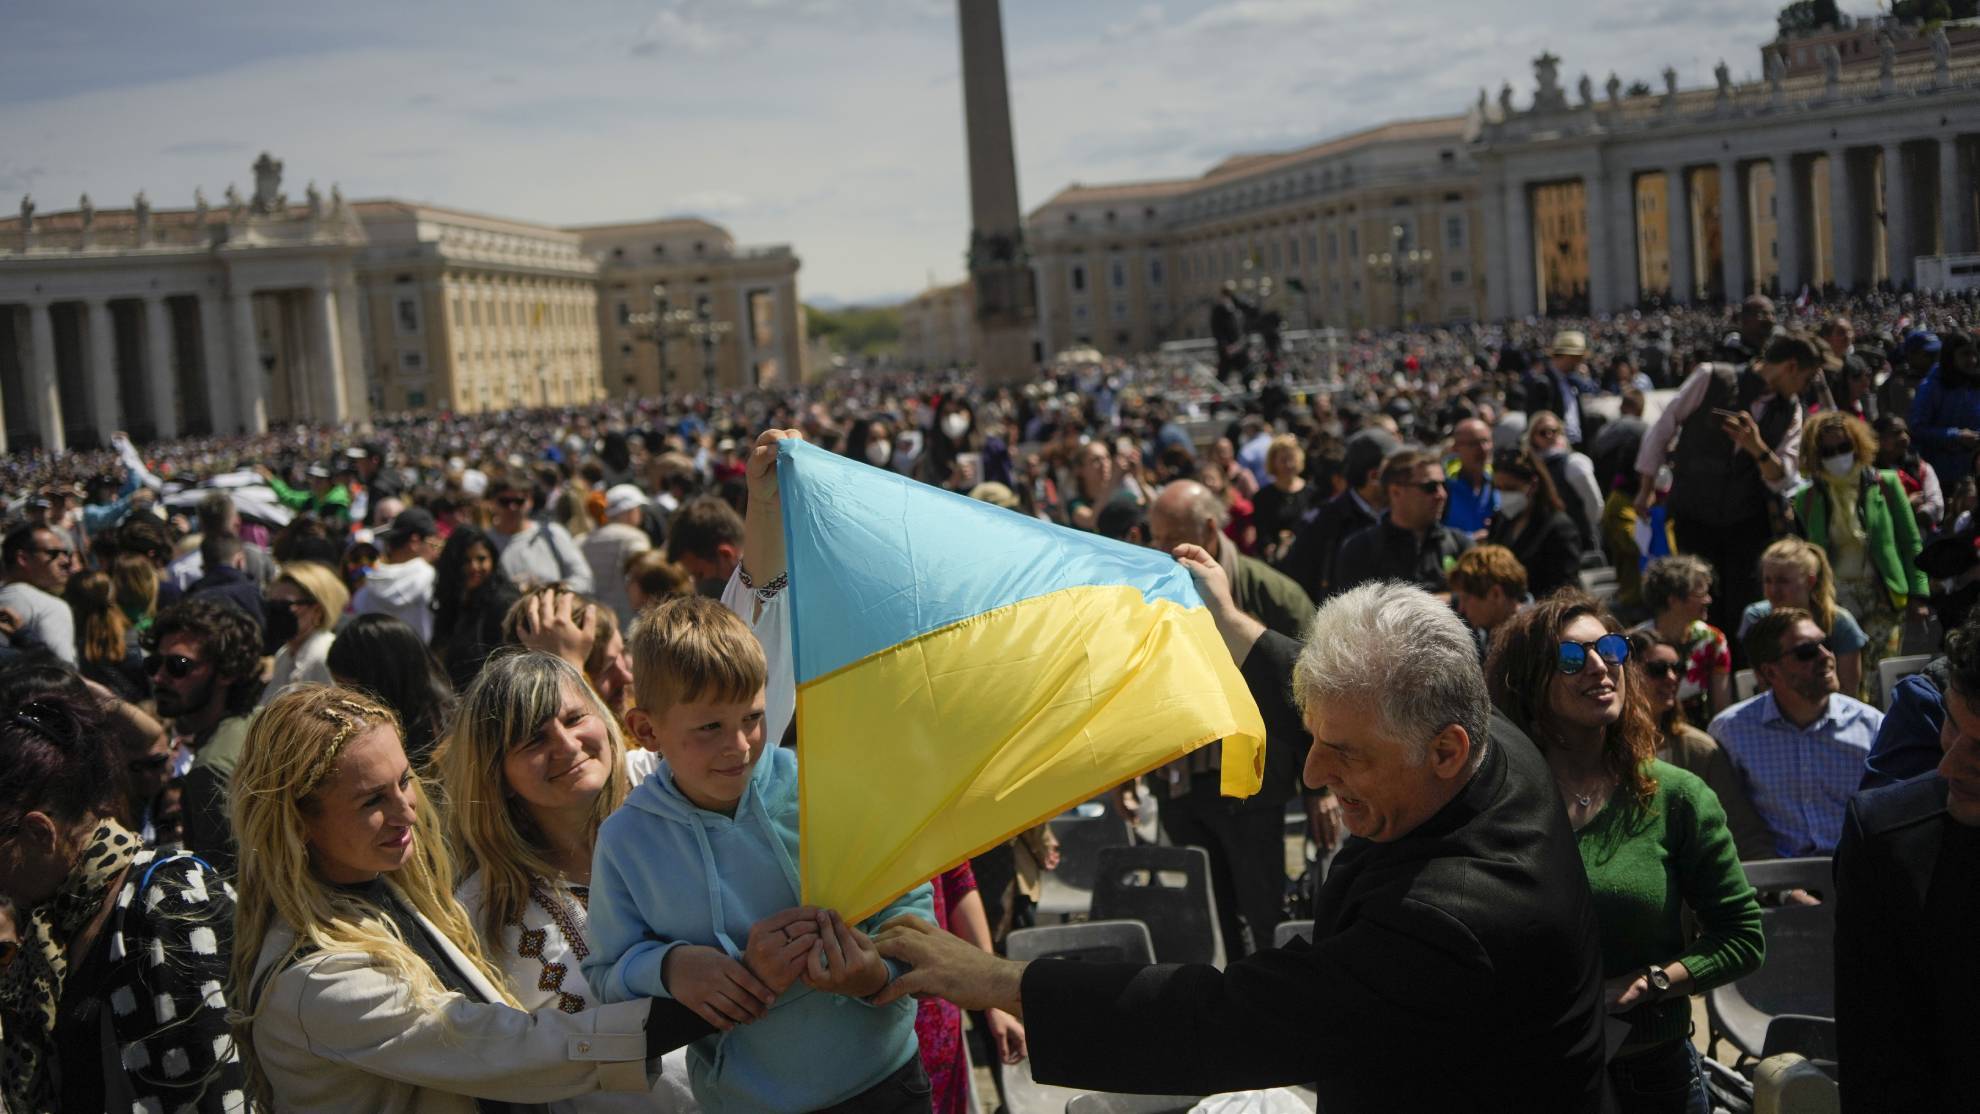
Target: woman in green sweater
[1653,839]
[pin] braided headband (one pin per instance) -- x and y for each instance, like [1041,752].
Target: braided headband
[350,716]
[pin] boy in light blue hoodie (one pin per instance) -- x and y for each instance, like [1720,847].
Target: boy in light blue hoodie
[694,886]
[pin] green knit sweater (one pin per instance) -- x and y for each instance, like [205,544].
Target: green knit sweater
[1645,867]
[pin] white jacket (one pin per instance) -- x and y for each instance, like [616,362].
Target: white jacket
[337,1034]
[404,591]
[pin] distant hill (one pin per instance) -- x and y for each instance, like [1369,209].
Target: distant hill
[828,302]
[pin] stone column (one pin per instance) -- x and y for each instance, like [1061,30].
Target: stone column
[357,362]
[1844,231]
[1522,296]
[1004,304]
[213,363]
[1898,248]
[1677,207]
[1732,230]
[1787,226]
[326,355]
[249,389]
[1496,283]
[1955,203]
[44,394]
[104,407]
[160,383]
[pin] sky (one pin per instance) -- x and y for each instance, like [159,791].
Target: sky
[834,126]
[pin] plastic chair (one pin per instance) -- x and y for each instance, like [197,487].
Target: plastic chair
[1088,941]
[1082,833]
[1813,1037]
[1744,683]
[1594,578]
[1798,977]
[1788,1084]
[1892,670]
[1289,930]
[1168,889]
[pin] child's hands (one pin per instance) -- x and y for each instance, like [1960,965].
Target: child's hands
[844,960]
[780,945]
[719,989]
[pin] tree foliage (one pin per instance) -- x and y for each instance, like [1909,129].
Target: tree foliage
[1934,11]
[857,330]
[1637,89]
[1805,16]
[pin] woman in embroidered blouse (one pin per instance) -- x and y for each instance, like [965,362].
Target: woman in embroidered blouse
[534,764]
[107,1004]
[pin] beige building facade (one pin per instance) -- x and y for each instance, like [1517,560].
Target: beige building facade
[726,316]
[1380,228]
[470,313]
[939,328]
[262,309]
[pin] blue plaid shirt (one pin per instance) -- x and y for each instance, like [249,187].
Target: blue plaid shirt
[1800,778]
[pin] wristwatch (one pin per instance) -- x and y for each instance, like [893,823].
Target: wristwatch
[1660,980]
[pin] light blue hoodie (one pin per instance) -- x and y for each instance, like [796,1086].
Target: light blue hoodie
[667,873]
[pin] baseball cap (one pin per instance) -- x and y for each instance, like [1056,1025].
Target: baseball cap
[1921,340]
[621,498]
[411,522]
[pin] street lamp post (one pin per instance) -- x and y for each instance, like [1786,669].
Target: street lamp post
[710,332]
[666,323]
[1401,267]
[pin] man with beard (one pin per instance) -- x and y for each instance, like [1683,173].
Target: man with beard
[1799,745]
[204,660]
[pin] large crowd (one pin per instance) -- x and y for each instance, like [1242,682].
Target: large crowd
[451,759]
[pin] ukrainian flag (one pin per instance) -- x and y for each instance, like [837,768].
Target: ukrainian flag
[964,672]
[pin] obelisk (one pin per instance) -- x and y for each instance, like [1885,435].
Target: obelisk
[999,265]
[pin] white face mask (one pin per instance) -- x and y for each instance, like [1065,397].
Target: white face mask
[1512,504]
[878,453]
[955,424]
[1841,464]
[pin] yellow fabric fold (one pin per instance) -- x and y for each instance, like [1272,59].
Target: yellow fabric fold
[927,753]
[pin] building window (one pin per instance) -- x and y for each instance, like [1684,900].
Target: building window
[625,315]
[659,249]
[1078,277]
[1333,244]
[1079,312]
[408,315]
[1292,253]
[1313,247]
[411,361]
[1117,273]
[1120,311]
[1458,278]
[1454,233]
[1354,244]
[1154,272]
[625,349]
[415,399]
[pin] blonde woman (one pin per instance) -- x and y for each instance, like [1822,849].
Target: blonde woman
[302,605]
[1795,573]
[1861,517]
[137,588]
[106,644]
[534,764]
[358,982]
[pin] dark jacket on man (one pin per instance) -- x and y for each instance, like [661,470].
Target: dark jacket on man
[1386,551]
[1547,546]
[1907,973]
[1310,560]
[1455,968]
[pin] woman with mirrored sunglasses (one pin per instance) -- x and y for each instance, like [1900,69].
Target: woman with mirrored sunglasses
[1653,839]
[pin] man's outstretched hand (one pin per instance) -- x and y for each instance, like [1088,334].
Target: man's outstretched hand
[947,966]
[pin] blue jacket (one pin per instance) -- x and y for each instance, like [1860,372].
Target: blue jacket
[667,873]
[1938,413]
[1907,745]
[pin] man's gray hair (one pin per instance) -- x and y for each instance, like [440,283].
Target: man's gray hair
[1398,650]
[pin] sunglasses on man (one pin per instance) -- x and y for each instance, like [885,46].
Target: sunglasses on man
[176,666]
[1613,649]
[1804,653]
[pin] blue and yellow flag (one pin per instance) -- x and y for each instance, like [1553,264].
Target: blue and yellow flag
[965,672]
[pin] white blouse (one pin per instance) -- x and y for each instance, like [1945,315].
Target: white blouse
[541,956]
[308,665]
